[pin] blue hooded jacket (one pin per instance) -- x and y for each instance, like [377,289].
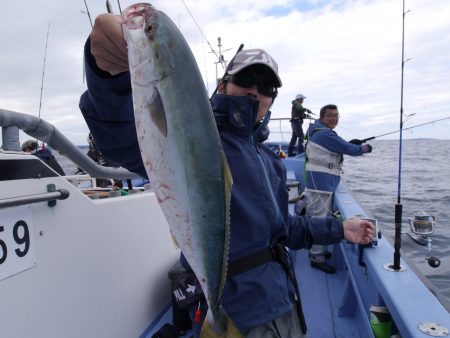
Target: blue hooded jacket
[259,203]
[329,139]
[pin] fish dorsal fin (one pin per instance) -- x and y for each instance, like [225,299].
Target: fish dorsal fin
[157,113]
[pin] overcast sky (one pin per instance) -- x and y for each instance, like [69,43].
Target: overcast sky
[342,52]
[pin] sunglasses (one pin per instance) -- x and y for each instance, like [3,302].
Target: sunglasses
[246,80]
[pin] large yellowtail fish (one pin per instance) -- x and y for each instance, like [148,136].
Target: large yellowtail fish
[181,151]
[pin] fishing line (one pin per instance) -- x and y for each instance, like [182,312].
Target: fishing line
[199,28]
[219,57]
[346,129]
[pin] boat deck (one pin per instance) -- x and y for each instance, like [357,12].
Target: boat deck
[321,308]
[323,318]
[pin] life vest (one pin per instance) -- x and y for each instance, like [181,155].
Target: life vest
[320,159]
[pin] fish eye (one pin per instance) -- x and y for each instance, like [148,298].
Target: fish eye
[148,29]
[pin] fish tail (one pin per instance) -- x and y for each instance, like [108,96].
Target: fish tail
[210,331]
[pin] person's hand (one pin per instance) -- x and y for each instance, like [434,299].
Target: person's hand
[359,231]
[367,148]
[108,45]
[356,141]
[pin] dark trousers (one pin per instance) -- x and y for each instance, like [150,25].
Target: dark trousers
[297,134]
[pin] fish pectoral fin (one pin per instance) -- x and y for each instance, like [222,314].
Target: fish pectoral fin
[157,112]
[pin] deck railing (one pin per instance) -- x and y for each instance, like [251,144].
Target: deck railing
[280,129]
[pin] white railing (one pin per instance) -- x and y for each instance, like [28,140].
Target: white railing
[280,129]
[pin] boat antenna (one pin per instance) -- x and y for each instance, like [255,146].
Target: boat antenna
[220,59]
[217,84]
[398,205]
[87,12]
[43,70]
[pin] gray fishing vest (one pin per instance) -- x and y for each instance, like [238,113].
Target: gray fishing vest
[322,160]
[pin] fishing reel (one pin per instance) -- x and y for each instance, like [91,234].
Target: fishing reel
[422,226]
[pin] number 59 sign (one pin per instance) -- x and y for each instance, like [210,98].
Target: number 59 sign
[17,252]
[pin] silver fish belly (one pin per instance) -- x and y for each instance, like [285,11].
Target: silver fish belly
[180,147]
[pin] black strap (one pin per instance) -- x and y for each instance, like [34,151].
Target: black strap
[250,261]
[277,253]
[284,258]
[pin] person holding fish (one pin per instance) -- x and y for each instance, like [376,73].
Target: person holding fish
[253,294]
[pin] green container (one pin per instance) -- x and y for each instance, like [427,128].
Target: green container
[380,322]
[381,330]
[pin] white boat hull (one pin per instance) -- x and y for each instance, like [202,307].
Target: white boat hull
[100,267]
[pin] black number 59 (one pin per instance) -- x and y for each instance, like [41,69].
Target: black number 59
[21,236]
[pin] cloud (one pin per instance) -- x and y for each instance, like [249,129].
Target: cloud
[346,52]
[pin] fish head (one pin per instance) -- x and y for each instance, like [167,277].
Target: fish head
[151,56]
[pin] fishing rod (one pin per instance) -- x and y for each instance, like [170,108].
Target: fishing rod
[110,9]
[43,70]
[88,13]
[42,78]
[398,205]
[357,141]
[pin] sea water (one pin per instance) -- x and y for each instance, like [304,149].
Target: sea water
[424,186]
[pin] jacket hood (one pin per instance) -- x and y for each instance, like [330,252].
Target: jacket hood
[237,114]
[315,125]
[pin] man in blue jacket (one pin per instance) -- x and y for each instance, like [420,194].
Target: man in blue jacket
[324,157]
[257,295]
